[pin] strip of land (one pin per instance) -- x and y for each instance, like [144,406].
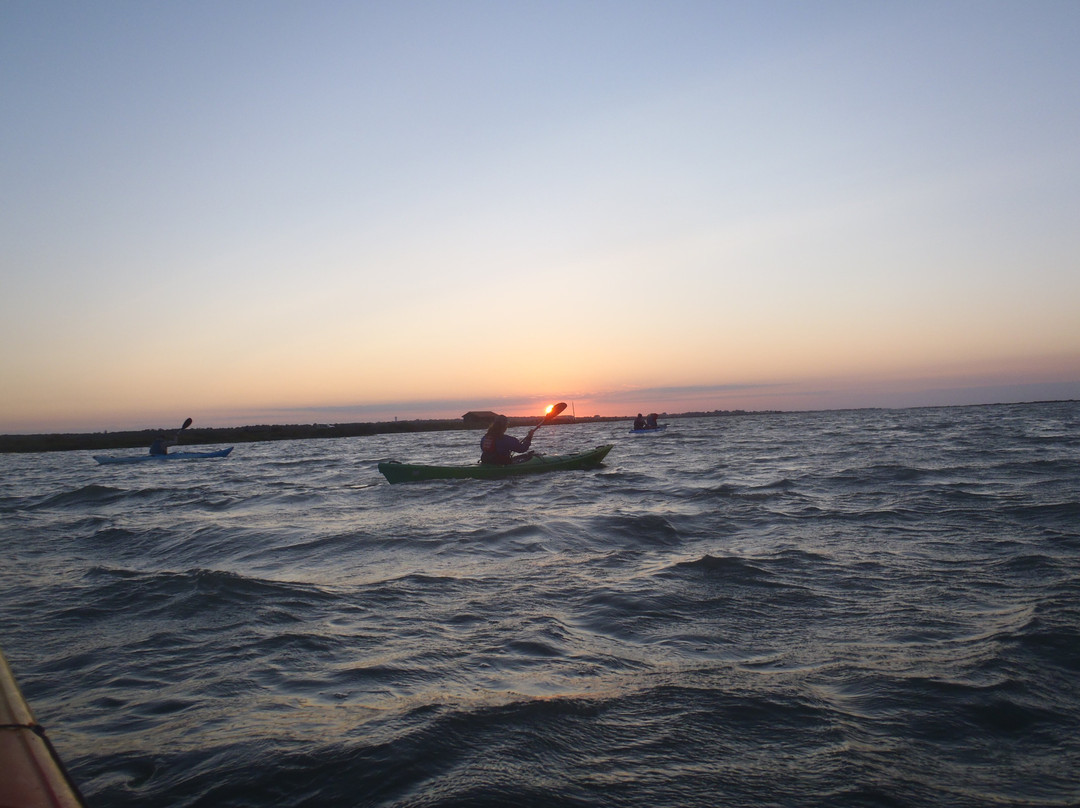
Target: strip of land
[248,434]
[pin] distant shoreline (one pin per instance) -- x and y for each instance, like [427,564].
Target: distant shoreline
[194,436]
[141,439]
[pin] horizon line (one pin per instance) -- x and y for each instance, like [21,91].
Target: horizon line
[571,419]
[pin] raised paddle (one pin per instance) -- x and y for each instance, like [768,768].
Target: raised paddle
[187,423]
[547,419]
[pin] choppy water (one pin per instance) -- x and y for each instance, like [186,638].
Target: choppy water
[870,608]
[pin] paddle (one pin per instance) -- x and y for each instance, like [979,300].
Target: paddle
[547,419]
[187,423]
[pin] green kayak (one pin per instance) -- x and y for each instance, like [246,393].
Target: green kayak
[407,472]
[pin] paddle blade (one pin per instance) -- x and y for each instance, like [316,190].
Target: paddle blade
[553,410]
[187,423]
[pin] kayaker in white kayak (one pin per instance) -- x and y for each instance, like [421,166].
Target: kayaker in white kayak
[498,448]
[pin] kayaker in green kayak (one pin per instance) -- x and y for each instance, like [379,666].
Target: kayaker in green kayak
[498,449]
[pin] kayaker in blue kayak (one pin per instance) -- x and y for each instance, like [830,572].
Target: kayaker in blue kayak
[498,448]
[162,444]
[650,422]
[639,422]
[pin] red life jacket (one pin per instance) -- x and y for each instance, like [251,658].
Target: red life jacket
[487,450]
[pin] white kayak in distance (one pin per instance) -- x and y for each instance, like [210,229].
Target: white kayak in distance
[142,458]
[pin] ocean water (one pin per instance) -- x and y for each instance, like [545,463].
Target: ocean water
[861,608]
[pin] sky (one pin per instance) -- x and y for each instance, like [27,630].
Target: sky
[280,212]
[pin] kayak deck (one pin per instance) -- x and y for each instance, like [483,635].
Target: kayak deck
[31,773]
[648,430]
[396,472]
[142,458]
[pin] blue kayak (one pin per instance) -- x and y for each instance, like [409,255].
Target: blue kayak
[648,430]
[142,458]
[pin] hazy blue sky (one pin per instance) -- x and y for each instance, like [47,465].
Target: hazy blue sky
[265,211]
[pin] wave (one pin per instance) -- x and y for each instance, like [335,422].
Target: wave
[87,495]
[642,530]
[730,567]
[184,594]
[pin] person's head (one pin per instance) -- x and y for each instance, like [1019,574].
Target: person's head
[498,426]
[639,415]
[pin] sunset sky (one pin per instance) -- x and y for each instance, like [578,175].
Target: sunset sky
[290,212]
